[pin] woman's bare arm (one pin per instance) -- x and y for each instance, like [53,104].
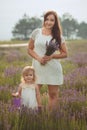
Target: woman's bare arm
[62,53]
[32,53]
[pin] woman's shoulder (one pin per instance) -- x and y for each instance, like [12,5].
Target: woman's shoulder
[34,33]
[37,30]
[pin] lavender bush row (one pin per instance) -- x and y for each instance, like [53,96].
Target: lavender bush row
[77,78]
[79,59]
[65,118]
[71,113]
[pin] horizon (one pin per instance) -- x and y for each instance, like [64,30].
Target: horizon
[12,11]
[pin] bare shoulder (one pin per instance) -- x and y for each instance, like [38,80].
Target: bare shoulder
[34,33]
[36,86]
[20,85]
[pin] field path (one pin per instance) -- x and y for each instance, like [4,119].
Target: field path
[14,45]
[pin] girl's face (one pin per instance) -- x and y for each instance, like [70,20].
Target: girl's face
[28,76]
[50,21]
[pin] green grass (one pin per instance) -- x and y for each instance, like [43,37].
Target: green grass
[72,111]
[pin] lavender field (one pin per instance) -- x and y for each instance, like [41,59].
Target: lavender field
[72,108]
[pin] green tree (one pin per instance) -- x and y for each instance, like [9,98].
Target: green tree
[69,25]
[24,27]
[82,31]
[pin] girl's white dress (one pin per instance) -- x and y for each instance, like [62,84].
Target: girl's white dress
[28,96]
[50,73]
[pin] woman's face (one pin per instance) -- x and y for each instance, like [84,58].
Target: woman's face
[50,21]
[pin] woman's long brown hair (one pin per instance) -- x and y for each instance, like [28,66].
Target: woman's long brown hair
[56,31]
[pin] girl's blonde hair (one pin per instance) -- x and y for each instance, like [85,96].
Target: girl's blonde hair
[25,70]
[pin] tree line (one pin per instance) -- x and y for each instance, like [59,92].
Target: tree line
[72,29]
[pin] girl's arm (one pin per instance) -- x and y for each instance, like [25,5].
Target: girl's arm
[18,93]
[38,96]
[32,53]
[19,90]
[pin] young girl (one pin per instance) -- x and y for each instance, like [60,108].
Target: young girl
[28,90]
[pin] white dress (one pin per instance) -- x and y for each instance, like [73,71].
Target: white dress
[50,73]
[28,96]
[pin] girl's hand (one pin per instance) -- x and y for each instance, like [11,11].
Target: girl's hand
[15,94]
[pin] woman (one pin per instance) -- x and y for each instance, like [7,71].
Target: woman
[48,68]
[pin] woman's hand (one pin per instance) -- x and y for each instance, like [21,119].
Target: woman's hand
[42,60]
[47,58]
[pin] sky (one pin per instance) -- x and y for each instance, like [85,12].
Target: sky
[13,10]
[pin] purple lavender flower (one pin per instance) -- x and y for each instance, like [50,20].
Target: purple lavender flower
[51,47]
[79,58]
[76,77]
[16,102]
[11,71]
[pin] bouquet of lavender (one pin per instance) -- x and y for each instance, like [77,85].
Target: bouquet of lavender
[51,47]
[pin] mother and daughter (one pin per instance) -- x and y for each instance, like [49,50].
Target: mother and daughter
[46,65]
